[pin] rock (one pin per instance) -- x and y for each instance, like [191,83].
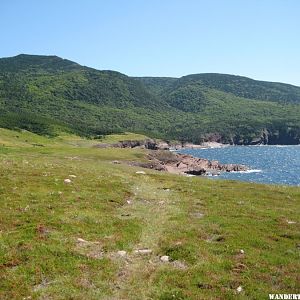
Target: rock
[239,289]
[165,258]
[116,162]
[163,146]
[187,164]
[140,172]
[192,146]
[122,253]
[72,176]
[197,215]
[198,171]
[80,240]
[242,251]
[142,144]
[147,143]
[143,251]
[291,222]
[179,265]
[151,164]
[67,181]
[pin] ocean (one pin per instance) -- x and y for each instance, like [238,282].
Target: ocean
[268,164]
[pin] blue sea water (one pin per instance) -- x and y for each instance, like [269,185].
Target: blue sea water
[268,164]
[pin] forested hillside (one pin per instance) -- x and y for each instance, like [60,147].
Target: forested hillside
[47,94]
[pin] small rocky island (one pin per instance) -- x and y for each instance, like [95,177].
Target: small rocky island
[161,159]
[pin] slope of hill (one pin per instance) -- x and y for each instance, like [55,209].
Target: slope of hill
[45,94]
[246,87]
[62,240]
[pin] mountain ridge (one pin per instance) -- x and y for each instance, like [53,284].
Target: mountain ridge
[54,92]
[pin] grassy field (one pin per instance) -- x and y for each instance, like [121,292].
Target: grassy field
[61,240]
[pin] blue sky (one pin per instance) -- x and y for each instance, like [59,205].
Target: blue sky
[254,38]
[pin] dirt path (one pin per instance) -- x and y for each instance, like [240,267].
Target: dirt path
[153,204]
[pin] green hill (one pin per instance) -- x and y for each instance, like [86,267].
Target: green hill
[48,94]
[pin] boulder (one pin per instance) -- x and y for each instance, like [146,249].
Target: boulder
[165,258]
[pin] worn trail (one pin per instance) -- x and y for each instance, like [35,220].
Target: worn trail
[154,205]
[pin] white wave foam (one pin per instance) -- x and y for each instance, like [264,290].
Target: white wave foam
[281,146]
[250,171]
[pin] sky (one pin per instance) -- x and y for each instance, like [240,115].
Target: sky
[254,38]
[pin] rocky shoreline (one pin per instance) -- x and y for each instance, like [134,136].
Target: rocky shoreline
[183,164]
[159,145]
[161,159]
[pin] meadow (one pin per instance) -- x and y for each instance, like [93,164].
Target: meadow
[61,239]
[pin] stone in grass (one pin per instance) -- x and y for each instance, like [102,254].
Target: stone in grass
[291,222]
[179,265]
[72,176]
[165,258]
[197,215]
[239,289]
[122,253]
[143,251]
[67,181]
[140,172]
[80,240]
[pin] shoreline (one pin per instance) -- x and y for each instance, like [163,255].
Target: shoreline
[153,144]
[213,145]
[183,164]
[163,156]
[167,156]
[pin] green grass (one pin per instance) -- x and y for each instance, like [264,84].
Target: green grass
[23,138]
[114,138]
[201,224]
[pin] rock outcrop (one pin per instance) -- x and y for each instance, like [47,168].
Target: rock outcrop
[168,161]
[158,145]
[187,164]
[143,144]
[271,136]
